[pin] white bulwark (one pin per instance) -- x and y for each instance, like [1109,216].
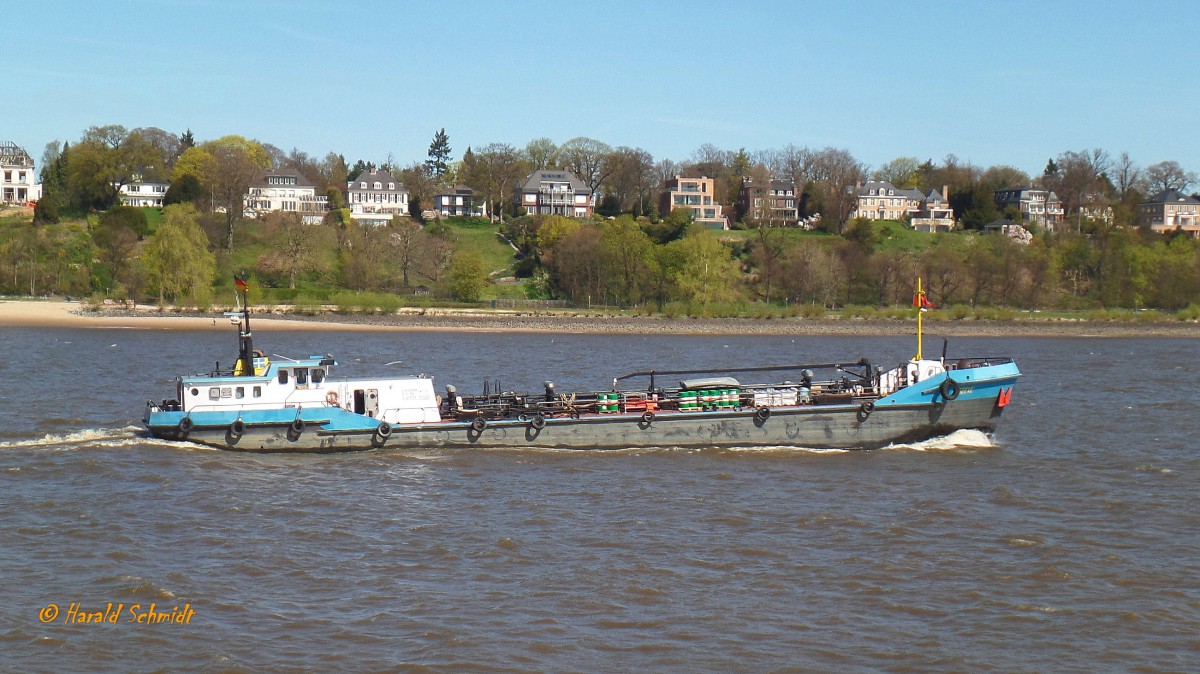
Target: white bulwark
[18,182]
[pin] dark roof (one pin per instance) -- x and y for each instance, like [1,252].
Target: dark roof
[371,177]
[1173,196]
[301,181]
[536,178]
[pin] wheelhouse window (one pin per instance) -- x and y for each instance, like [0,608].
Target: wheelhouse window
[239,392]
[318,375]
[257,391]
[283,376]
[301,376]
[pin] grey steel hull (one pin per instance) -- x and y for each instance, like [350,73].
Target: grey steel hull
[817,427]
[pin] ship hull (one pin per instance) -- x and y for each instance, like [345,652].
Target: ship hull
[817,427]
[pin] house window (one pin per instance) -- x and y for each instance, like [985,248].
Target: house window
[391,186]
[362,185]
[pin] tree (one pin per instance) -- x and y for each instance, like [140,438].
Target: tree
[494,173]
[587,158]
[176,258]
[541,153]
[1127,175]
[903,172]
[225,168]
[1168,175]
[116,235]
[627,260]
[166,147]
[837,172]
[467,276]
[107,159]
[707,272]
[439,154]
[672,227]
[184,190]
[295,247]
[406,239]
[631,179]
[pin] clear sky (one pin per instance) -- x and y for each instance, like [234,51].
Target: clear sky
[991,82]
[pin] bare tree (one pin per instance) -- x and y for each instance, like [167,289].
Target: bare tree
[541,153]
[586,158]
[631,178]
[838,172]
[1127,175]
[1168,175]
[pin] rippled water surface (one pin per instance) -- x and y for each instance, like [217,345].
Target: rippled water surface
[1069,542]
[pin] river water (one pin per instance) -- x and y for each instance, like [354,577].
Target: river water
[1069,542]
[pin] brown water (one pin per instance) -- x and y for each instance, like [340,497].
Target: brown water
[1068,543]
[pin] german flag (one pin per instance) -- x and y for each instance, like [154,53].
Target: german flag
[240,282]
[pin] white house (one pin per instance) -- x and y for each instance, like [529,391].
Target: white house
[374,197]
[286,192]
[143,193]
[17,179]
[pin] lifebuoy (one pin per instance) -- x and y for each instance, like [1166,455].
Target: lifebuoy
[647,417]
[237,428]
[478,424]
[948,389]
[331,397]
[297,425]
[384,430]
[538,422]
[762,413]
[185,425]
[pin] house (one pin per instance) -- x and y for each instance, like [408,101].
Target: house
[934,214]
[926,211]
[1096,207]
[142,193]
[17,179]
[458,200]
[695,194]
[374,197]
[282,191]
[1172,210]
[555,192]
[775,204]
[1042,207]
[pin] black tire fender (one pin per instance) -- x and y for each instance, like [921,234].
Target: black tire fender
[763,413]
[297,426]
[186,425]
[383,430]
[538,422]
[949,389]
[237,428]
[478,424]
[647,417]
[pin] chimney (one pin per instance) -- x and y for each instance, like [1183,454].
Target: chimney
[946,192]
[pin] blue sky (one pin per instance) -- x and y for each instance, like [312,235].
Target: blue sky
[991,82]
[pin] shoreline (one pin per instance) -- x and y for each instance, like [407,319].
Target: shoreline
[59,314]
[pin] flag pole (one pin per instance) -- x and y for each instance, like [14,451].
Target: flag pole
[920,314]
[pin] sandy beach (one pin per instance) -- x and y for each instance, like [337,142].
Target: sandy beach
[59,314]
